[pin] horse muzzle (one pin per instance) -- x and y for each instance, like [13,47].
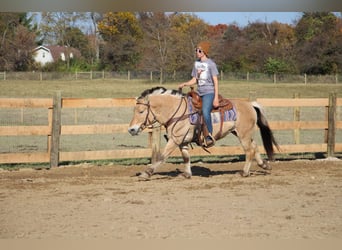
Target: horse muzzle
[134,130]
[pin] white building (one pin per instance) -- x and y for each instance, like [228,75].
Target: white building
[49,54]
[42,55]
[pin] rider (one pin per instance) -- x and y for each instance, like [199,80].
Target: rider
[205,73]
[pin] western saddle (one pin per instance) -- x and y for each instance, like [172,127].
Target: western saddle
[201,130]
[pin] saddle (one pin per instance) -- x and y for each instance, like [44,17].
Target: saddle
[224,105]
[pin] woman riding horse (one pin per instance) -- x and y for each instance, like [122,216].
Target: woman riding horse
[170,109]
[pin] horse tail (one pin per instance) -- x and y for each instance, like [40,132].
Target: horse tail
[265,131]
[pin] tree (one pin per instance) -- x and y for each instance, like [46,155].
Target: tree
[17,41]
[75,38]
[121,33]
[187,30]
[157,42]
[62,28]
[95,18]
[319,43]
[274,66]
[53,25]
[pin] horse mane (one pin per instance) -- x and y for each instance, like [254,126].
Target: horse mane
[159,91]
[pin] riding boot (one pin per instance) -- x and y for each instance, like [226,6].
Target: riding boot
[209,141]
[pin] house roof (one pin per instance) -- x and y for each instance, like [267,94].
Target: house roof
[41,47]
[57,50]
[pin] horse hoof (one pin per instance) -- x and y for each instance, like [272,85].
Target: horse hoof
[244,174]
[185,175]
[143,176]
[265,165]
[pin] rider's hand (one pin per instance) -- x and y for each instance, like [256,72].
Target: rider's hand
[216,102]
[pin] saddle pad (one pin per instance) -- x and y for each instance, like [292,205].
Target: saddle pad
[229,115]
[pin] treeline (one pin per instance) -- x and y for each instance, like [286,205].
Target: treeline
[165,42]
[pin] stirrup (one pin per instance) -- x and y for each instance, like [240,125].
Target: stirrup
[209,141]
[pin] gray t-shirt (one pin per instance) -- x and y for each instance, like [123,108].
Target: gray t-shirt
[204,72]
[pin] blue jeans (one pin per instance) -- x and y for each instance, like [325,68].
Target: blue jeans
[207,105]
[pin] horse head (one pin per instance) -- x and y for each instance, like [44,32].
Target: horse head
[143,116]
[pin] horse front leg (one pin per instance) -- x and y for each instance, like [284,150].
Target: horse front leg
[186,158]
[169,148]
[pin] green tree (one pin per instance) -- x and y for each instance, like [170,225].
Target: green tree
[121,34]
[319,43]
[186,31]
[75,38]
[276,66]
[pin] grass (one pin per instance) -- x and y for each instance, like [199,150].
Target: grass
[132,88]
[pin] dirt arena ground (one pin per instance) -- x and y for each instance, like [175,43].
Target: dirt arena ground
[298,200]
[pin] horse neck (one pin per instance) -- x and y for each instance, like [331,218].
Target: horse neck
[166,107]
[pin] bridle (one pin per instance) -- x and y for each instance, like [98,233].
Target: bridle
[147,122]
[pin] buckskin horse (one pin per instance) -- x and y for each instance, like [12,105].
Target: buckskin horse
[172,109]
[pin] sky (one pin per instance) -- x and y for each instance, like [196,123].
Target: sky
[243,18]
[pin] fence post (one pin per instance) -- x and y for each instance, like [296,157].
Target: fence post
[331,125]
[56,129]
[296,117]
[305,78]
[252,96]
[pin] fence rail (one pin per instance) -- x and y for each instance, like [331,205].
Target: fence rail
[54,129]
[155,76]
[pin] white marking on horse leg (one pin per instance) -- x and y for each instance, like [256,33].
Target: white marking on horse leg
[246,168]
[186,157]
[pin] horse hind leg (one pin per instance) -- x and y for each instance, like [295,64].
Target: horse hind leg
[252,152]
[262,163]
[250,148]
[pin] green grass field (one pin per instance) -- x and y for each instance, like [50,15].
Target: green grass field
[132,88]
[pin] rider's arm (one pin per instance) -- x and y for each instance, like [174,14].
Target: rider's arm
[192,81]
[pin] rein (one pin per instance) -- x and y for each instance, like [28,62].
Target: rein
[176,119]
[173,120]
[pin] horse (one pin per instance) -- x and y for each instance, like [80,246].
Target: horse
[170,108]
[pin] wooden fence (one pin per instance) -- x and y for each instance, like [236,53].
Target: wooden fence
[54,129]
